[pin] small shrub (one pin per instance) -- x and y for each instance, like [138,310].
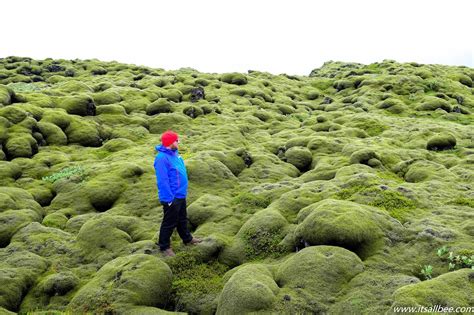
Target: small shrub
[427,272]
[442,251]
[65,173]
[263,243]
[464,259]
[460,261]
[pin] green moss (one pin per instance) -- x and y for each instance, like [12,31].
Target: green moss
[251,200]
[342,85]
[463,201]
[52,290]
[161,105]
[300,157]
[249,289]
[396,204]
[73,86]
[316,274]
[13,220]
[57,117]
[463,79]
[423,170]
[234,78]
[57,220]
[98,70]
[118,144]
[82,105]
[173,95]
[13,114]
[107,97]
[371,126]
[263,154]
[104,237]
[207,208]
[103,192]
[196,285]
[110,109]
[347,193]
[83,132]
[365,156]
[6,95]
[453,289]
[432,103]
[263,243]
[135,279]
[441,142]
[165,121]
[258,238]
[371,292]
[343,223]
[193,111]
[208,171]
[18,272]
[233,161]
[394,106]
[285,109]
[20,145]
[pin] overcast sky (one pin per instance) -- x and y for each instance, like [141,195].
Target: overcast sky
[290,37]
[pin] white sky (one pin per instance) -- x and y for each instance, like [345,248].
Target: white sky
[290,37]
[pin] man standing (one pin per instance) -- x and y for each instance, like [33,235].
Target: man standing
[172,182]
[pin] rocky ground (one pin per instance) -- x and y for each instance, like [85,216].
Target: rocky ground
[341,192]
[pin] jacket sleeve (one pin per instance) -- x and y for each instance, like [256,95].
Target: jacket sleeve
[162,180]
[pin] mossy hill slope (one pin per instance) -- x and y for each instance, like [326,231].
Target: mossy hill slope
[325,193]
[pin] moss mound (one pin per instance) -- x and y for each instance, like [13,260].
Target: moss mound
[6,95]
[299,157]
[140,280]
[161,105]
[259,237]
[441,142]
[234,78]
[250,289]
[343,223]
[317,273]
[453,289]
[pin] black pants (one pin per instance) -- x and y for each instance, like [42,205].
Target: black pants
[175,216]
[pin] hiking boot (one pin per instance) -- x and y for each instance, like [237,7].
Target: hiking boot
[169,252]
[194,241]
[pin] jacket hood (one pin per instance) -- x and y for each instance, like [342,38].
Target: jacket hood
[162,148]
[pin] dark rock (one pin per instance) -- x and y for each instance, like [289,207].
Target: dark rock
[327,100]
[55,68]
[197,94]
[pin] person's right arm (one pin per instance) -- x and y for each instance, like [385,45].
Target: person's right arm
[163,181]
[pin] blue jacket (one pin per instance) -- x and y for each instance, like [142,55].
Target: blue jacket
[171,176]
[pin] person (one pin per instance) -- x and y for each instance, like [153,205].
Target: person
[172,182]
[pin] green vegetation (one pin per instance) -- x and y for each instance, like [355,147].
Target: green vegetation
[252,200]
[323,193]
[427,272]
[66,173]
[463,201]
[196,284]
[463,260]
[263,243]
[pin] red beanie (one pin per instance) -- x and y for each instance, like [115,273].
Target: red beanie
[168,137]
